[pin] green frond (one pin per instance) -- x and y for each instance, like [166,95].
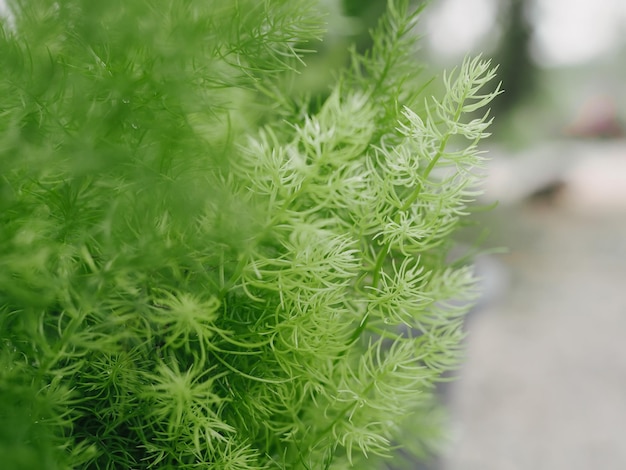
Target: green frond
[196,271]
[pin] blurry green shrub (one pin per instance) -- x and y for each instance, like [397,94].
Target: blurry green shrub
[195,272]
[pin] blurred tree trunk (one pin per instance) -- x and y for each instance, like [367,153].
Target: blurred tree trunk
[517,70]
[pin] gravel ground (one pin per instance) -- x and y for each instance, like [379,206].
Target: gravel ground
[544,383]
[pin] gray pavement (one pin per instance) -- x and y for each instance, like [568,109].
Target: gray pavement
[544,383]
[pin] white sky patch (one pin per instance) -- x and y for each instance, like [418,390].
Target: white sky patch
[566,32]
[574,31]
[454,27]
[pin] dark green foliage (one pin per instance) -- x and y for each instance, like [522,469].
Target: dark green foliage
[196,273]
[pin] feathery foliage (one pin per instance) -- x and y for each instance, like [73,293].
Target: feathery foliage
[197,272]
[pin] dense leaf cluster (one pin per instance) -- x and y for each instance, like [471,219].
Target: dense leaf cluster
[196,272]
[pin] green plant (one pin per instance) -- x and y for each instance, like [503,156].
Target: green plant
[201,268]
